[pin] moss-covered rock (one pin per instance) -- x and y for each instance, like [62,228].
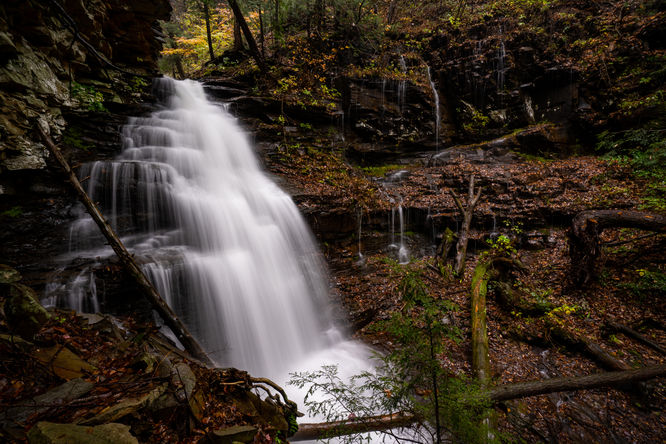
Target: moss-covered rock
[25,315]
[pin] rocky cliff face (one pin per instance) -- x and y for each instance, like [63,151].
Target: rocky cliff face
[45,68]
[48,74]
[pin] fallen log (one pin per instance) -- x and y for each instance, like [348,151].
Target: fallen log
[636,335]
[324,430]
[584,245]
[126,259]
[592,349]
[497,394]
[608,379]
[480,359]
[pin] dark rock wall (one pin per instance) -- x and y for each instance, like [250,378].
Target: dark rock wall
[41,66]
[40,58]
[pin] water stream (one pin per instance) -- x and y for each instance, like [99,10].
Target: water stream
[437,112]
[223,244]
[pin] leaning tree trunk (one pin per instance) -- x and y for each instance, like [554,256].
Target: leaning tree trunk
[208,33]
[249,38]
[584,245]
[167,314]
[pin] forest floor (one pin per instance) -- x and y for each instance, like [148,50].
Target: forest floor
[538,198]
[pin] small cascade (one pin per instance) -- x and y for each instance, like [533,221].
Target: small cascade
[402,86]
[361,257]
[529,109]
[501,63]
[339,117]
[397,212]
[403,252]
[437,112]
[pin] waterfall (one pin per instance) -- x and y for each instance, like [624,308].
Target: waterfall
[397,245]
[223,244]
[437,113]
[501,57]
[402,85]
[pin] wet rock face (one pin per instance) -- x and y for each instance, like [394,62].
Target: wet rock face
[40,57]
[503,79]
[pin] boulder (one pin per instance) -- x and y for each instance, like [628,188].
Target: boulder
[25,315]
[52,433]
[63,362]
[230,435]
[8,275]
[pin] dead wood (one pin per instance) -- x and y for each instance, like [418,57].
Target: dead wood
[608,379]
[359,425]
[480,359]
[616,326]
[127,260]
[584,245]
[467,212]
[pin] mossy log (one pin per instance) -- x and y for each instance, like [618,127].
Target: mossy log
[584,245]
[480,359]
[127,260]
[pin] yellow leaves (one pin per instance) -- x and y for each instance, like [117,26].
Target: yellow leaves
[191,41]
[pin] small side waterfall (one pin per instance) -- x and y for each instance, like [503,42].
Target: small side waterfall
[402,85]
[223,244]
[437,112]
[403,253]
[397,212]
[501,62]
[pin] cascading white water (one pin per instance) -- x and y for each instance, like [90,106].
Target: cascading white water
[223,244]
[437,112]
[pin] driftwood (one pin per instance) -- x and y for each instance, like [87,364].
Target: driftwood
[496,394]
[130,266]
[615,326]
[584,245]
[467,212]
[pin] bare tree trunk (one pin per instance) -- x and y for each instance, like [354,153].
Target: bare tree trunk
[167,314]
[261,32]
[390,15]
[468,212]
[208,34]
[584,245]
[249,38]
[238,36]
